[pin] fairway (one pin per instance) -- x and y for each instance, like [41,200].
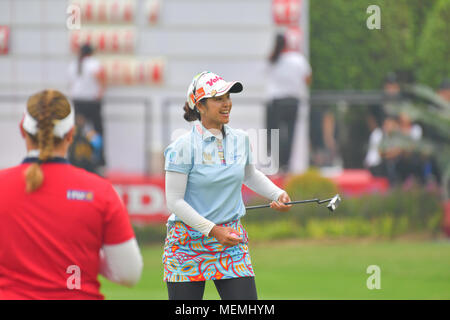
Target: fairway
[295,270]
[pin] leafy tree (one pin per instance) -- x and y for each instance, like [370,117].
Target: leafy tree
[345,54]
[434,46]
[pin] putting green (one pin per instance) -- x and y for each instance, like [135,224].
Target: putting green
[332,270]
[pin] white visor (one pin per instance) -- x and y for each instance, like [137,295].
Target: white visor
[207,84]
[61,128]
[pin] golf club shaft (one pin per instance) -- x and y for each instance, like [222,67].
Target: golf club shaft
[326,200]
[288,203]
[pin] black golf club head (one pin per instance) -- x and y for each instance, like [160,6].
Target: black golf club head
[334,203]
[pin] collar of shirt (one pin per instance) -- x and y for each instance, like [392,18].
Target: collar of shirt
[206,134]
[33,156]
[51,160]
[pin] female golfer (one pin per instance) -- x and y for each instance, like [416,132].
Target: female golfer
[60,225]
[205,170]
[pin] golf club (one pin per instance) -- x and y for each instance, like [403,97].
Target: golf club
[333,203]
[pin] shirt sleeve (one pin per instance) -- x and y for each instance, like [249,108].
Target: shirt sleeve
[178,157]
[122,263]
[258,182]
[117,226]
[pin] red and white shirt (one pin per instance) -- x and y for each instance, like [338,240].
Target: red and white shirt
[47,234]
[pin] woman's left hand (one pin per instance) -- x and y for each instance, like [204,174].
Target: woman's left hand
[280,204]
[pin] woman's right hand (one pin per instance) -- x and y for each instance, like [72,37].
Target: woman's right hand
[226,236]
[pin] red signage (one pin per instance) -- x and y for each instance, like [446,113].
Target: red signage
[143,197]
[106,11]
[133,72]
[153,11]
[286,12]
[104,40]
[4,39]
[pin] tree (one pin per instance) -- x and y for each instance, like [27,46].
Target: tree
[345,54]
[434,46]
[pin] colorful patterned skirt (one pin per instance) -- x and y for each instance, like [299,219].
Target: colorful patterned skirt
[191,256]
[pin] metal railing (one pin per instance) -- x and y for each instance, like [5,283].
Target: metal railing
[318,98]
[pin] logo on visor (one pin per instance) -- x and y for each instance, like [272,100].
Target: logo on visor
[212,81]
[199,93]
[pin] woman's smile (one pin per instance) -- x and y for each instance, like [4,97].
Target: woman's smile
[225,114]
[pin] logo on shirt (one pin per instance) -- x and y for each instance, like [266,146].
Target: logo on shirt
[172,157]
[200,93]
[207,158]
[80,195]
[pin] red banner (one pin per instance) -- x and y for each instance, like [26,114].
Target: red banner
[104,40]
[286,12]
[4,39]
[122,71]
[144,197]
[106,11]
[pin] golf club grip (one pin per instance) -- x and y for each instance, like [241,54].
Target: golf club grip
[287,203]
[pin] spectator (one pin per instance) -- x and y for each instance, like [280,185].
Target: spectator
[400,143]
[289,77]
[404,155]
[414,131]
[410,162]
[87,86]
[373,160]
[85,151]
[390,149]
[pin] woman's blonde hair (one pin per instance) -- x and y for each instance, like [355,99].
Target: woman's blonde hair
[45,107]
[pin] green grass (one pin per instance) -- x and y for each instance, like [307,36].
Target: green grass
[296,270]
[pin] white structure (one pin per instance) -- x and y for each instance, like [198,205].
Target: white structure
[232,38]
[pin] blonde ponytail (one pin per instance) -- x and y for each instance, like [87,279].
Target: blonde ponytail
[45,107]
[33,177]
